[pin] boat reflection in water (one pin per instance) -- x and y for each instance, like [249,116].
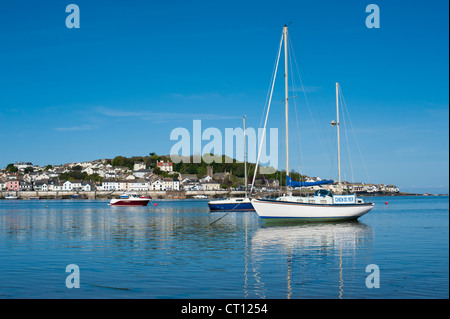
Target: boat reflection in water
[312,258]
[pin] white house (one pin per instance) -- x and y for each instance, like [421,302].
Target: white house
[171,184]
[176,184]
[211,186]
[157,185]
[138,166]
[391,188]
[138,185]
[373,188]
[165,166]
[123,185]
[52,187]
[89,170]
[67,186]
[110,174]
[86,187]
[109,185]
[76,185]
[71,186]
[206,179]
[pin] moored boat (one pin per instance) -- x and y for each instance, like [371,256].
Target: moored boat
[324,205]
[129,199]
[231,204]
[241,204]
[202,196]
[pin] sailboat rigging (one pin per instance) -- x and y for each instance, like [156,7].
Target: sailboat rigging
[323,205]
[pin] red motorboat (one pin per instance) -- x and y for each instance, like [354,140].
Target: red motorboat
[130,199]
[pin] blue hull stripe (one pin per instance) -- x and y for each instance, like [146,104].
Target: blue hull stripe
[232,207]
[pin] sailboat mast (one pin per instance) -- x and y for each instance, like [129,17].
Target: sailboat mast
[245,160]
[338,135]
[285,31]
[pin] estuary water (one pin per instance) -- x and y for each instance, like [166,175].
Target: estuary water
[172,251]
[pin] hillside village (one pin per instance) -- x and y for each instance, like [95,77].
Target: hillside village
[101,175]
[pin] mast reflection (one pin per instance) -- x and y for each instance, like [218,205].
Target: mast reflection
[301,251]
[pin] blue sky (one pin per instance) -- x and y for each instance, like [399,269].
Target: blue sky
[136,70]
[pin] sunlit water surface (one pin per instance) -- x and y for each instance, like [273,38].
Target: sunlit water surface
[172,251]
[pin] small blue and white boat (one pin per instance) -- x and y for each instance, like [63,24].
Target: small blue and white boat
[231,204]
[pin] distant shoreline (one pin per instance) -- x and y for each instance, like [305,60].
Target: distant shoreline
[27,195]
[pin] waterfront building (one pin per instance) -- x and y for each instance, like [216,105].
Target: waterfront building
[39,185]
[110,184]
[138,185]
[211,186]
[157,185]
[52,185]
[171,184]
[25,186]
[123,185]
[87,186]
[71,186]
[12,185]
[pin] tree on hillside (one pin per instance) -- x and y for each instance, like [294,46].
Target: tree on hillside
[11,168]
[28,170]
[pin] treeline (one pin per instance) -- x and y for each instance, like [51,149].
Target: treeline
[187,166]
[150,161]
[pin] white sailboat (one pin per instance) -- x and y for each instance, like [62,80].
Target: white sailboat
[323,205]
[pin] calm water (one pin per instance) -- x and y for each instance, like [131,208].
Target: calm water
[172,251]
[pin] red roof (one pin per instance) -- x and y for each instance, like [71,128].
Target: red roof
[164,164]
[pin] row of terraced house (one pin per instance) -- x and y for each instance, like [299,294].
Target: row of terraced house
[163,184]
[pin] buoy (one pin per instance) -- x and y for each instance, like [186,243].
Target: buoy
[155,204]
[385,203]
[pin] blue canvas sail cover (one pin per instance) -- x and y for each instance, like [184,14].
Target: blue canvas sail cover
[290,182]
